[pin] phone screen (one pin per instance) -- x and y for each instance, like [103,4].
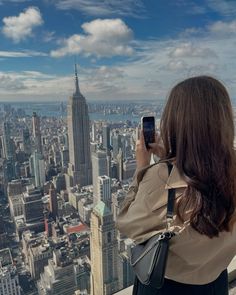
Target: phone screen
[148,124]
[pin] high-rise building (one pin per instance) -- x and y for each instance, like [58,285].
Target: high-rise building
[94,132]
[64,157]
[129,167]
[26,141]
[8,145]
[120,165]
[38,255]
[100,167]
[106,137]
[104,251]
[80,168]
[32,205]
[8,151]
[9,281]
[64,275]
[37,133]
[53,206]
[116,143]
[125,270]
[39,169]
[104,190]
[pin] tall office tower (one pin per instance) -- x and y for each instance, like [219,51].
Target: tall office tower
[14,193]
[64,275]
[53,206]
[37,133]
[8,151]
[94,132]
[104,251]
[120,165]
[117,199]
[129,168]
[38,254]
[9,281]
[64,156]
[26,141]
[104,190]
[126,146]
[116,143]
[100,167]
[8,145]
[80,168]
[32,205]
[39,169]
[106,137]
[125,270]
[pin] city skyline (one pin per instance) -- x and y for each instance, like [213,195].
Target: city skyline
[135,50]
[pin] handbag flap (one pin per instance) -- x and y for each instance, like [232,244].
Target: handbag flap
[149,260]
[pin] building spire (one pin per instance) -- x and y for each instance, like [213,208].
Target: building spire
[77,91]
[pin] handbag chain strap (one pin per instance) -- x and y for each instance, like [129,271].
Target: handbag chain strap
[170,202]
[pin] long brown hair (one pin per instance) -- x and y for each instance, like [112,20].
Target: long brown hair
[197,129]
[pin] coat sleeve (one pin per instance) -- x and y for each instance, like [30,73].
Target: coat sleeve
[136,219]
[133,189]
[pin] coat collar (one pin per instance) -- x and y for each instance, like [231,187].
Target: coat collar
[175,180]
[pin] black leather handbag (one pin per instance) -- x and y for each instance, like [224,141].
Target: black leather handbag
[149,259]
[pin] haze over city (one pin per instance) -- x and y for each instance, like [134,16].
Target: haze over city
[131,49]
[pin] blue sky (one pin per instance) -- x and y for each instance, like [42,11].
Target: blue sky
[125,50]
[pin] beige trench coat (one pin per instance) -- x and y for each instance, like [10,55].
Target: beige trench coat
[193,258]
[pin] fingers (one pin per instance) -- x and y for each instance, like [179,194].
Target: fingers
[157,137]
[141,140]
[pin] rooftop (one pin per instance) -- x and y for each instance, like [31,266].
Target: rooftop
[102,209]
[5,257]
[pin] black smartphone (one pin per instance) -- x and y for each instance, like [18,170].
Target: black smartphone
[148,126]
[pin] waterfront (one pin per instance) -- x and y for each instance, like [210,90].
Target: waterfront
[57,109]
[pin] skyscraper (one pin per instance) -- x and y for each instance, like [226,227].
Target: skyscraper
[100,167]
[53,206]
[116,143]
[26,141]
[80,168]
[106,137]
[37,133]
[9,281]
[104,251]
[39,169]
[8,151]
[104,190]
[8,145]
[32,205]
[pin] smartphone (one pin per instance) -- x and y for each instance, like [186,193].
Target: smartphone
[148,127]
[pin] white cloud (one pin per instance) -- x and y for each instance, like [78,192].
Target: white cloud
[223,7]
[192,50]
[133,8]
[48,36]
[102,38]
[25,53]
[176,65]
[20,27]
[221,27]
[9,83]
[153,69]
[28,85]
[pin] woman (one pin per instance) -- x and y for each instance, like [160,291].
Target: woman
[196,136]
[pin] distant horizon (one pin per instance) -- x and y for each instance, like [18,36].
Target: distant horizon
[88,101]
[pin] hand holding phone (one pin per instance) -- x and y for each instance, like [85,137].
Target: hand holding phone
[148,127]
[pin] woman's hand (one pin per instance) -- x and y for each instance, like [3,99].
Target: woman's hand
[157,148]
[143,155]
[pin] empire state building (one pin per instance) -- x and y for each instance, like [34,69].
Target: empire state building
[80,167]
